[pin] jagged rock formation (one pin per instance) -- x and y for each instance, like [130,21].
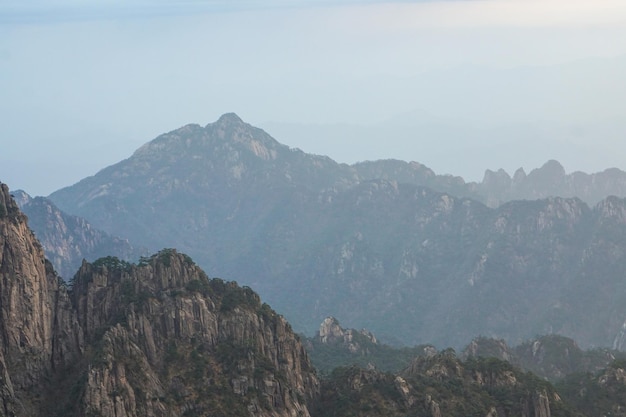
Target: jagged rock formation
[550,180]
[498,187]
[334,346]
[331,332]
[67,239]
[157,339]
[316,239]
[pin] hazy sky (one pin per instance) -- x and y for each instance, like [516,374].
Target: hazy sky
[460,86]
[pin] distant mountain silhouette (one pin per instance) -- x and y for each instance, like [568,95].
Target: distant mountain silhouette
[68,240]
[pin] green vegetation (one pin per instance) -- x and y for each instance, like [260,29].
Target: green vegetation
[130,293]
[201,286]
[599,394]
[235,296]
[165,257]
[471,388]
[328,356]
[112,263]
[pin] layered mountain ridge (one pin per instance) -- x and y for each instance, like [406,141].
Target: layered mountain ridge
[159,338]
[366,243]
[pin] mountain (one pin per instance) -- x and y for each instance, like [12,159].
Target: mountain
[410,263]
[549,181]
[67,239]
[498,187]
[158,338]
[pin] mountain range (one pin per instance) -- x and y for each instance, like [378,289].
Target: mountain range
[388,245]
[160,338]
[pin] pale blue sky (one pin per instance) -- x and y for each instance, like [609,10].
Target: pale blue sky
[460,86]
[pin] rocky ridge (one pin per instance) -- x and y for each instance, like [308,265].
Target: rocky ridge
[550,180]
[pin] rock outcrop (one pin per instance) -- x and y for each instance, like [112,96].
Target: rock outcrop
[331,332]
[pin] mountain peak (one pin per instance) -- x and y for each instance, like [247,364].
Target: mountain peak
[229,118]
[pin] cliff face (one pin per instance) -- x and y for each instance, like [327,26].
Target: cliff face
[158,339]
[37,327]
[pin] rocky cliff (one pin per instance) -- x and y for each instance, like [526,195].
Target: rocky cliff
[158,338]
[38,329]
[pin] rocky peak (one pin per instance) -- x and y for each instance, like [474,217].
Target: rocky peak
[331,332]
[21,197]
[483,347]
[229,119]
[181,329]
[519,176]
[551,169]
[499,178]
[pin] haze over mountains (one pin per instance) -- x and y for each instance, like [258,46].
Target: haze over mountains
[387,245]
